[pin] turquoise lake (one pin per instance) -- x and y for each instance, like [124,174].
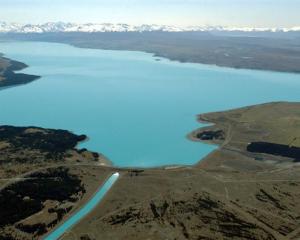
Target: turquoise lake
[136,111]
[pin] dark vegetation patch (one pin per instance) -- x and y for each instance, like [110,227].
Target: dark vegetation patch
[31,144]
[85,237]
[25,198]
[275,149]
[211,135]
[135,172]
[56,141]
[39,228]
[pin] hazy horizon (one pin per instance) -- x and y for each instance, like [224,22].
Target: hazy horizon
[156,24]
[238,13]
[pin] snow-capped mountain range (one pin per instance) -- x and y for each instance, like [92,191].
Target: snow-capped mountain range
[110,27]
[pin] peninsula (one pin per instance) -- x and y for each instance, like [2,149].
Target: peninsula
[8,77]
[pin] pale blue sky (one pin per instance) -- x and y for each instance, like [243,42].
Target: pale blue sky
[257,13]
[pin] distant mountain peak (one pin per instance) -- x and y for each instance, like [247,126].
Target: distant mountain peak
[122,27]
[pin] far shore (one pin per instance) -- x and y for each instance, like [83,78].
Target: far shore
[279,55]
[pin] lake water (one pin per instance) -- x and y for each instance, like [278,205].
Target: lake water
[137,111]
